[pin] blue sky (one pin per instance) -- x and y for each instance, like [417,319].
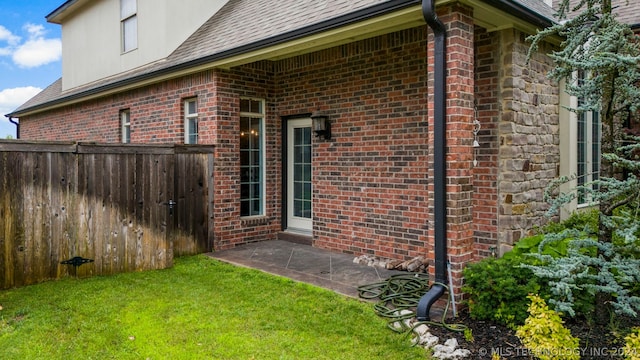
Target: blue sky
[30,54]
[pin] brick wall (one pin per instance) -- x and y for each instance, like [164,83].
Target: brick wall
[156,114]
[372,191]
[459,117]
[256,81]
[517,106]
[485,173]
[370,179]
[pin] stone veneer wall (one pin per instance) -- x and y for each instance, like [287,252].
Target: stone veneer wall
[529,137]
[517,106]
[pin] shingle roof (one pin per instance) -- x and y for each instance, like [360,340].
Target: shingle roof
[539,7]
[240,25]
[50,93]
[227,29]
[627,11]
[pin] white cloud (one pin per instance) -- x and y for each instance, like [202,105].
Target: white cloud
[35,51]
[35,31]
[10,39]
[10,99]
[7,36]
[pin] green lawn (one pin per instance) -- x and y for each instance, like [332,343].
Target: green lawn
[199,309]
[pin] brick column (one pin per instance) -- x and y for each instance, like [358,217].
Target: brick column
[459,154]
[226,209]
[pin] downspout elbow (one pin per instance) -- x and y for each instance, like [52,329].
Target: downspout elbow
[424,305]
[429,15]
[17,124]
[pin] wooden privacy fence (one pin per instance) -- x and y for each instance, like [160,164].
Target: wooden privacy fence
[126,207]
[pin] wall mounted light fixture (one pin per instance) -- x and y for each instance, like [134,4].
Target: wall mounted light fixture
[321,125]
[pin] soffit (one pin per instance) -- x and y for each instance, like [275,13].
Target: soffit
[185,60]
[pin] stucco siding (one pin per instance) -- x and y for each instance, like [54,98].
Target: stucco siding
[91,37]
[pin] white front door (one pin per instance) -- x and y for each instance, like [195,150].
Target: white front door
[299,209]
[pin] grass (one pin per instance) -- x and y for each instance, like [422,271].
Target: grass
[199,309]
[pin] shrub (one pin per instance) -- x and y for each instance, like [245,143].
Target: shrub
[497,290]
[585,220]
[590,266]
[545,335]
[632,345]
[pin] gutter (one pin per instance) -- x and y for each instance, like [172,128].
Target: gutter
[380,9]
[439,162]
[17,124]
[59,10]
[317,28]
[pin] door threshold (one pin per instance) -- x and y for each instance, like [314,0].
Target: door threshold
[296,237]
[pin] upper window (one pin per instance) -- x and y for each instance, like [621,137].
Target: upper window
[252,157]
[129,24]
[191,121]
[125,126]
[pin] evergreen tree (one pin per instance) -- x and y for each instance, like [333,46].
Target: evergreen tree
[607,54]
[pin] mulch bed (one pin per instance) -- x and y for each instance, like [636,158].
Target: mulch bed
[596,342]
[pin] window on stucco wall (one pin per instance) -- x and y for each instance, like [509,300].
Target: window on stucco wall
[129,24]
[191,121]
[252,172]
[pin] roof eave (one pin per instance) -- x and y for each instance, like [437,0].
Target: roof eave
[344,20]
[62,11]
[522,12]
[211,60]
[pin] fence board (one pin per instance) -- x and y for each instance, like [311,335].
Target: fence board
[37,146]
[100,202]
[192,198]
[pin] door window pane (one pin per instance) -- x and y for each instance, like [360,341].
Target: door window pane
[302,172]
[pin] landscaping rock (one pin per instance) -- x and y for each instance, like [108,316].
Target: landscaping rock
[450,351]
[370,261]
[418,264]
[424,337]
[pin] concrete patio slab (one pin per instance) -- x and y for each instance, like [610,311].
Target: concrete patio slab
[305,263]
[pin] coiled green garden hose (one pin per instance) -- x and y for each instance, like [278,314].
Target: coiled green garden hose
[403,292]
